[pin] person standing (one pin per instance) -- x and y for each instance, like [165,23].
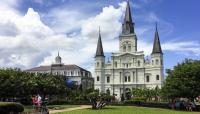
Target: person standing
[39,100]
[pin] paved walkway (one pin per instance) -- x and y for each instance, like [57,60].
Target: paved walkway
[70,109]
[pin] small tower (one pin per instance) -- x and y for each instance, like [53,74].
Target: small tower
[99,65]
[58,59]
[157,58]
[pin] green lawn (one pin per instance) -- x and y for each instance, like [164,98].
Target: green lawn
[51,107]
[128,110]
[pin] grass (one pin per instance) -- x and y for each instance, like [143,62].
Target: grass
[51,107]
[128,110]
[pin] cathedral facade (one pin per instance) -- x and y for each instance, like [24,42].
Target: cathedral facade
[128,67]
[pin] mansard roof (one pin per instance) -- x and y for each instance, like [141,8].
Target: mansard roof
[55,67]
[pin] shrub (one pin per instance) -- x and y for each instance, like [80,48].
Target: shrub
[139,99]
[8,107]
[58,102]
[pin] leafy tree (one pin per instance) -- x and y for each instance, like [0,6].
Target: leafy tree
[183,80]
[97,100]
[145,94]
[15,83]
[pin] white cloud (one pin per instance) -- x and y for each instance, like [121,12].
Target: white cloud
[25,41]
[183,47]
[34,43]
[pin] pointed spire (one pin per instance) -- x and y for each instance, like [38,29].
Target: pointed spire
[156,44]
[128,25]
[58,59]
[128,17]
[99,51]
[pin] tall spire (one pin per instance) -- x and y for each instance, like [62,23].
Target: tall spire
[128,25]
[99,51]
[156,44]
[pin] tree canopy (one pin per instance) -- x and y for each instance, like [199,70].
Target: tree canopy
[183,80]
[17,83]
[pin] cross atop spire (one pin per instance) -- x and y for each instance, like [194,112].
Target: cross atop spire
[156,44]
[99,51]
[128,25]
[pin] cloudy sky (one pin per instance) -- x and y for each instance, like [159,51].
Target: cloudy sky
[32,31]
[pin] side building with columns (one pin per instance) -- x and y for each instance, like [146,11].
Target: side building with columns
[128,68]
[74,73]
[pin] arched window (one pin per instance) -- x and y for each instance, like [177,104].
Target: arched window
[97,64]
[97,78]
[120,76]
[157,61]
[138,63]
[124,48]
[125,79]
[102,64]
[108,79]
[147,78]
[157,77]
[133,76]
[129,48]
[152,62]
[129,78]
[115,64]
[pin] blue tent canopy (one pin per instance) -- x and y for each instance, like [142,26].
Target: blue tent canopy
[69,83]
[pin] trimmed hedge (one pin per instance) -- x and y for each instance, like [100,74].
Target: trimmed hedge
[8,107]
[148,104]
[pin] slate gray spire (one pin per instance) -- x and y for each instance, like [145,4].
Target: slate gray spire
[99,51]
[58,59]
[128,25]
[156,44]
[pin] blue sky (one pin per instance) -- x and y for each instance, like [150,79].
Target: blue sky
[32,31]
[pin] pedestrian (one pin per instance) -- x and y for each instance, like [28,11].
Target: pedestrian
[39,100]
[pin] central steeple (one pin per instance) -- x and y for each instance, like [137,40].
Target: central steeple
[128,25]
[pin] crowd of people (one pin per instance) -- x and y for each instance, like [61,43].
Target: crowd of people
[39,105]
[187,105]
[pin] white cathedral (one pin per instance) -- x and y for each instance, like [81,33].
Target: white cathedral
[128,67]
